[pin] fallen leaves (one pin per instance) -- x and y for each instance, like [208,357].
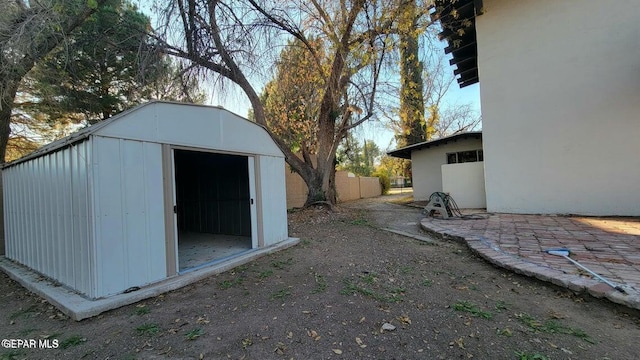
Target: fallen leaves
[280,348]
[313,334]
[404,319]
[459,342]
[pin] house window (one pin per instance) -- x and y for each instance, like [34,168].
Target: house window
[465,156]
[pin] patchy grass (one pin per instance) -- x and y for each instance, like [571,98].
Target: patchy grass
[13,355]
[281,294]
[471,308]
[352,288]
[395,294]
[24,313]
[501,306]
[228,284]
[427,282]
[194,334]
[386,294]
[359,221]
[265,274]
[406,270]
[142,310]
[26,331]
[74,340]
[282,264]
[241,268]
[522,355]
[370,278]
[321,284]
[148,329]
[551,326]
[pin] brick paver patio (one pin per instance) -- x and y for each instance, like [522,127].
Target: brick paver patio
[609,246]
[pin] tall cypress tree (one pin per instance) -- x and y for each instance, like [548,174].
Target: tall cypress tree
[412,120]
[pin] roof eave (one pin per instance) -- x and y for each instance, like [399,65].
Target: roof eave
[405,152]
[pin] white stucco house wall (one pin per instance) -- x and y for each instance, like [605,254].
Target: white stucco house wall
[452,164]
[145,196]
[560,96]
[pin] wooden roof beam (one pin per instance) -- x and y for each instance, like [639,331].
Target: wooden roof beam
[452,49]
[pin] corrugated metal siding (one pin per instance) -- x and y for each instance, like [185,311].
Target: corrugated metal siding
[47,225]
[273,202]
[129,214]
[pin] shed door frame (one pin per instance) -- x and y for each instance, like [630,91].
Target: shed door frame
[171,220]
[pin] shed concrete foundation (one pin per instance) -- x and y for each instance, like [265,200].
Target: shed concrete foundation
[78,307]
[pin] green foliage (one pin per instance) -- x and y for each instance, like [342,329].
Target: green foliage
[360,221]
[194,334]
[101,72]
[142,310]
[292,99]
[148,329]
[427,282]
[360,160]
[107,65]
[13,355]
[473,309]
[412,120]
[281,294]
[31,311]
[368,286]
[282,264]
[523,355]
[501,305]
[551,326]
[385,182]
[228,284]
[74,340]
[321,284]
[391,167]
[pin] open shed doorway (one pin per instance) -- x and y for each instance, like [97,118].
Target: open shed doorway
[213,206]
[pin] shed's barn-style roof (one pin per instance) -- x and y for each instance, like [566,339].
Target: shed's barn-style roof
[83,134]
[405,152]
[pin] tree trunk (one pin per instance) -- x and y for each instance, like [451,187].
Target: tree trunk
[6,105]
[321,184]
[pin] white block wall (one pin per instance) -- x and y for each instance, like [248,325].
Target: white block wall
[426,166]
[465,183]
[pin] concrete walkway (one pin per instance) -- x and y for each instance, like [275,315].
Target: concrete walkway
[609,246]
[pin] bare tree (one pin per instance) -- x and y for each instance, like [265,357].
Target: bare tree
[232,38]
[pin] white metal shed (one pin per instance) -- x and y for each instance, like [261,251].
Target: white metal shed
[151,193]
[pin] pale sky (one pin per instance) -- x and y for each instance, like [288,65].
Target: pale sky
[235,100]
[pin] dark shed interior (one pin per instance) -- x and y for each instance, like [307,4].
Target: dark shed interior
[212,193]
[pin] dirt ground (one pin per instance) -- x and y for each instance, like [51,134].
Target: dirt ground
[348,291]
